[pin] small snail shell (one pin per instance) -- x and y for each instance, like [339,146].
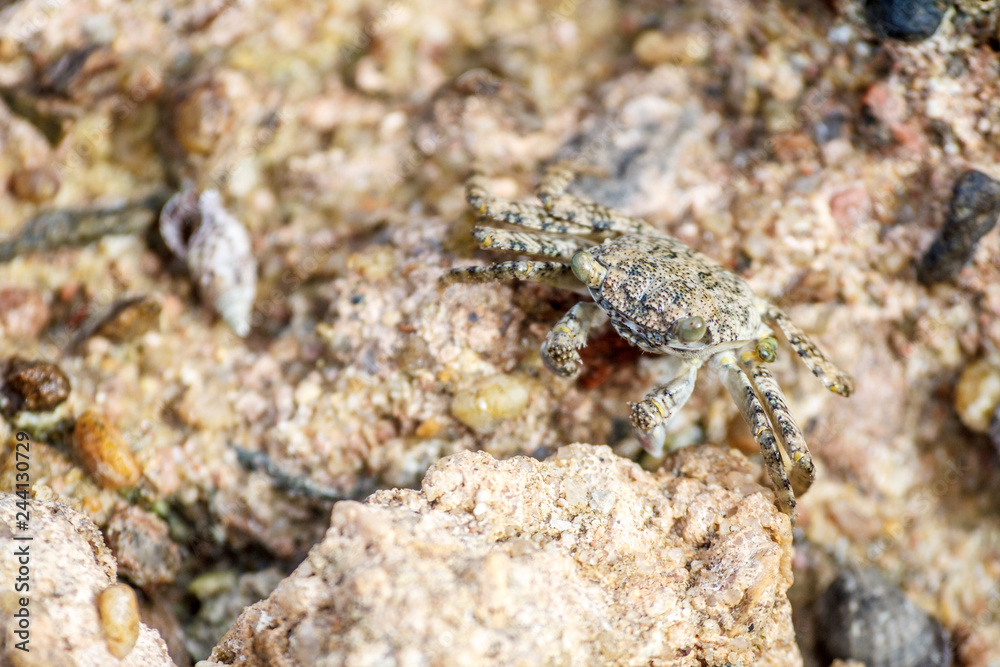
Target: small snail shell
[216,248]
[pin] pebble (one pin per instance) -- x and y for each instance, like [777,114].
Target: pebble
[33,385]
[216,247]
[23,313]
[490,402]
[125,320]
[36,185]
[975,206]
[977,7]
[104,452]
[866,618]
[654,47]
[119,612]
[130,318]
[141,544]
[202,118]
[905,20]
[374,262]
[977,395]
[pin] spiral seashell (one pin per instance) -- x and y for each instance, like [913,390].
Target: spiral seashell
[216,248]
[863,617]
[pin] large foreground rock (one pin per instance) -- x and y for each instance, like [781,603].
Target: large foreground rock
[582,559]
[69,565]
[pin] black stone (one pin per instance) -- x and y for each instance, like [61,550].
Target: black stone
[864,617]
[906,20]
[975,206]
[829,127]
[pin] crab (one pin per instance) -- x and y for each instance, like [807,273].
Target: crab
[663,297]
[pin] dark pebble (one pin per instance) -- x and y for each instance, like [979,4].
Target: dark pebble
[32,385]
[830,127]
[125,320]
[975,205]
[906,20]
[130,318]
[142,547]
[864,617]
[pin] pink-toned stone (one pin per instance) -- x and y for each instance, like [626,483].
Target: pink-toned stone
[584,558]
[69,568]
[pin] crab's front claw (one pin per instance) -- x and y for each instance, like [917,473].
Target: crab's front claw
[561,359]
[649,427]
[559,351]
[651,415]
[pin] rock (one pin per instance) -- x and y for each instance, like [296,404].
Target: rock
[975,206]
[130,318]
[202,117]
[37,184]
[654,47]
[141,544]
[977,394]
[906,20]
[581,559]
[119,612]
[23,313]
[865,618]
[491,401]
[104,452]
[223,596]
[33,385]
[69,568]
[977,7]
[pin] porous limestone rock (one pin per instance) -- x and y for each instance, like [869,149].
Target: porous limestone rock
[582,559]
[68,568]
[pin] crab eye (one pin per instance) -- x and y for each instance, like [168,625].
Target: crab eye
[691,329]
[586,269]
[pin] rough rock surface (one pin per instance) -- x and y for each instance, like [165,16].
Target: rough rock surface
[69,566]
[581,559]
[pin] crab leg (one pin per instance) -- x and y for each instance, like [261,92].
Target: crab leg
[552,193]
[556,274]
[559,351]
[527,243]
[835,379]
[516,213]
[742,391]
[790,437]
[651,415]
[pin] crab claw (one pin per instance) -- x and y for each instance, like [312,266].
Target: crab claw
[562,359]
[652,440]
[649,428]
